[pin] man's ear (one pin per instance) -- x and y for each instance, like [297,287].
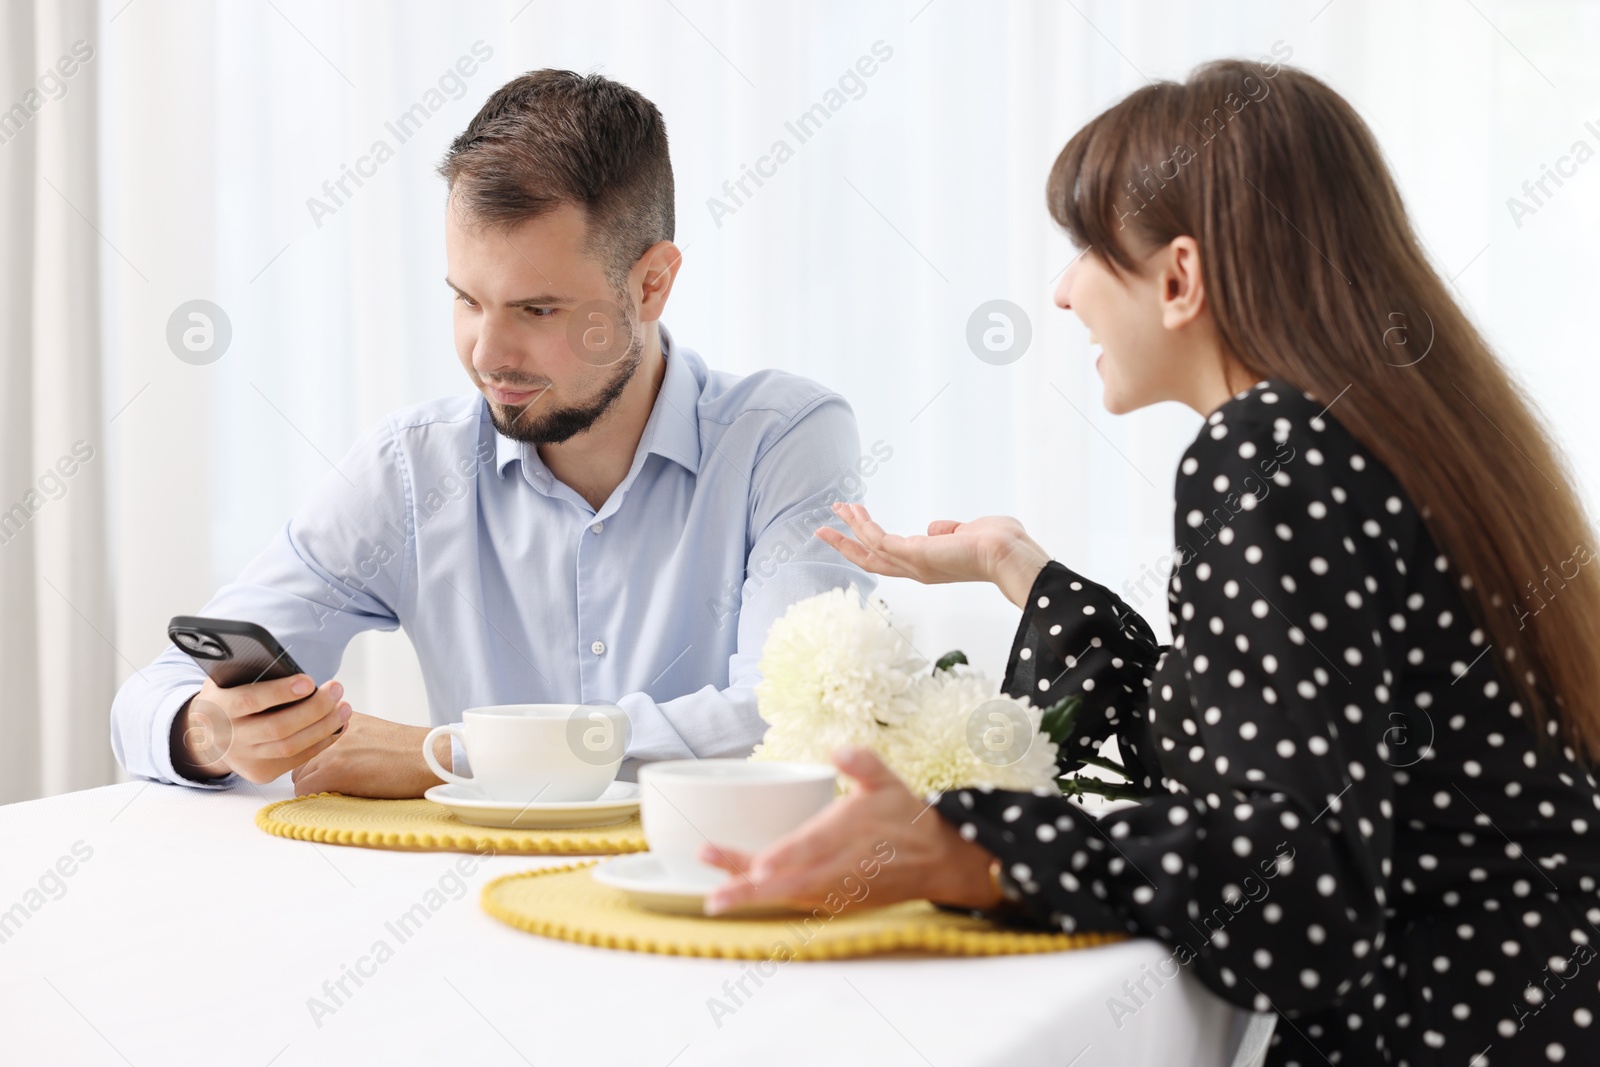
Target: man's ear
[652,277]
[1182,289]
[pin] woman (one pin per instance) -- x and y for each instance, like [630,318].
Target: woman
[1367,742]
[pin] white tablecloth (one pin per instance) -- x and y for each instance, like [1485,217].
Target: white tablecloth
[184,934]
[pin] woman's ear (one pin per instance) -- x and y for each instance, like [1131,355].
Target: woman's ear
[1181,283]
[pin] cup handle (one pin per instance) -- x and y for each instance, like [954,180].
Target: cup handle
[454,730]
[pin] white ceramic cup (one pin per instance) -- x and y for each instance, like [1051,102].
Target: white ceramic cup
[729,802]
[537,753]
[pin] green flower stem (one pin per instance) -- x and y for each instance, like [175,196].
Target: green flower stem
[1106,765]
[1080,787]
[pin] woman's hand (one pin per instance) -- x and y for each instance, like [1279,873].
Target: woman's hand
[992,549]
[878,843]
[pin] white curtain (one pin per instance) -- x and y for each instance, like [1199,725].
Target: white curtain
[58,664]
[225,131]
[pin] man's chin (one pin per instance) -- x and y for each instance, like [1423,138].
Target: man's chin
[506,416]
[542,421]
[511,422]
[549,428]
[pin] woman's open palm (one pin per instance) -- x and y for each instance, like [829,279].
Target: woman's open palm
[951,551]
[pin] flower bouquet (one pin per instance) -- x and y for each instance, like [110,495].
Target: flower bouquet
[837,672]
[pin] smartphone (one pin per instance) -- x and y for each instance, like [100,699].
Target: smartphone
[233,652]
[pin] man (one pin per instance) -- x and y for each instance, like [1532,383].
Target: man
[609,522]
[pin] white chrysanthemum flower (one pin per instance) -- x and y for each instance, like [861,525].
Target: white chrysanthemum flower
[966,733]
[834,672]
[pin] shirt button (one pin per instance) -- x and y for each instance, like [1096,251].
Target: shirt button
[597,527]
[598,648]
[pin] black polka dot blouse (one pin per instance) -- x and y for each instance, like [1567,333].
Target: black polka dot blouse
[1354,823]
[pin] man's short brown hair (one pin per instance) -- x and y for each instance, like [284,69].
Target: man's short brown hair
[553,137]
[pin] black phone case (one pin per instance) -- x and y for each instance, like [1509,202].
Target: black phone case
[230,651]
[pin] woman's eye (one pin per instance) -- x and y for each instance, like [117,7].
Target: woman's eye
[466,300]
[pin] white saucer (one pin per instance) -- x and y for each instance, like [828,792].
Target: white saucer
[616,804]
[649,886]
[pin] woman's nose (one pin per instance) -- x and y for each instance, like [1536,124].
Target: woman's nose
[1063,294]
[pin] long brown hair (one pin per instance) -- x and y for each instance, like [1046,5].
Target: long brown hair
[1314,275]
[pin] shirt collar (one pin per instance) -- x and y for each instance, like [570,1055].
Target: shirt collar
[672,431]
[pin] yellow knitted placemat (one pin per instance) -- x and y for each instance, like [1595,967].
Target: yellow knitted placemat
[423,826]
[566,904]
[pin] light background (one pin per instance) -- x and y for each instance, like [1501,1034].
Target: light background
[857,265]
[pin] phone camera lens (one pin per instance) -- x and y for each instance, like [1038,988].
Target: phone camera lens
[199,644]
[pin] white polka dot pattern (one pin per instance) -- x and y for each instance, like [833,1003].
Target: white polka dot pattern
[1352,821]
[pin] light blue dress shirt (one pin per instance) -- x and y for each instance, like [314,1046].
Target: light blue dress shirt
[513,589]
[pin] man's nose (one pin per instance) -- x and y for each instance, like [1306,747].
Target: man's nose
[492,351]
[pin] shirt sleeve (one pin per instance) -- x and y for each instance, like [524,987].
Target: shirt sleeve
[813,461]
[343,564]
[1080,639]
[1266,859]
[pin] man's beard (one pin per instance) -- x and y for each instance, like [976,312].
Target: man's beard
[526,423]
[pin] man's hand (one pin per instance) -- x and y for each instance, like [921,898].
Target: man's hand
[373,758]
[221,730]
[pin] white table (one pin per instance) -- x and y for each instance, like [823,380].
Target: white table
[190,936]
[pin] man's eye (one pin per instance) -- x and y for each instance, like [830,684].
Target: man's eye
[467,300]
[542,313]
